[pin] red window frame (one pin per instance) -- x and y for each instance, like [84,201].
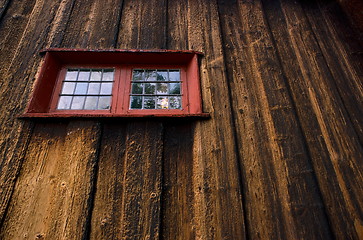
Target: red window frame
[45,97]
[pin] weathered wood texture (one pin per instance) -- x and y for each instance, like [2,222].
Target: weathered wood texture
[280,158]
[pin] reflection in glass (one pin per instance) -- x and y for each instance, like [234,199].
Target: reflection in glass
[136,102]
[96,75]
[91,103]
[107,75]
[106,89]
[68,88]
[77,103]
[162,75]
[138,75]
[150,75]
[71,74]
[162,88]
[162,103]
[150,88]
[174,75]
[175,102]
[81,88]
[174,88]
[84,75]
[94,88]
[104,102]
[64,102]
[137,88]
[149,103]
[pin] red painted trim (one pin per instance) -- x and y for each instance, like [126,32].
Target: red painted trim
[120,50]
[46,94]
[108,115]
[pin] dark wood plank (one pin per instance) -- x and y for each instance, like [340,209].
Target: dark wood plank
[217,200]
[3,7]
[281,197]
[51,197]
[16,81]
[346,69]
[333,145]
[136,214]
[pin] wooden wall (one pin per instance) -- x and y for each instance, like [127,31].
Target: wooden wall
[280,158]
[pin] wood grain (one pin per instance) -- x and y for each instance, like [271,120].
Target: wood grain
[280,188]
[328,131]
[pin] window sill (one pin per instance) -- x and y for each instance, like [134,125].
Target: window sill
[111,115]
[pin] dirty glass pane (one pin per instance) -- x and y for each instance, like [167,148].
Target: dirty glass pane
[94,88]
[162,75]
[174,88]
[150,75]
[162,88]
[81,88]
[150,88]
[104,103]
[71,75]
[174,75]
[138,75]
[137,88]
[96,75]
[162,103]
[136,102]
[149,102]
[68,87]
[106,89]
[78,102]
[84,75]
[107,75]
[175,102]
[91,103]
[64,102]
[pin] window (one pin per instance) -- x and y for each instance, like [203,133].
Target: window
[117,83]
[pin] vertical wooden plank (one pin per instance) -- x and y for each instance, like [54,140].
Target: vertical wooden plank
[17,77]
[49,199]
[178,195]
[281,196]
[217,201]
[333,145]
[346,70]
[136,213]
[3,7]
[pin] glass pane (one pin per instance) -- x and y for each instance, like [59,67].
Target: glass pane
[174,75]
[94,88]
[162,75]
[138,75]
[137,88]
[68,88]
[64,102]
[174,88]
[96,74]
[84,75]
[136,102]
[91,103]
[150,75]
[71,74]
[104,103]
[162,103]
[175,102]
[77,102]
[150,88]
[107,75]
[149,102]
[81,88]
[106,89]
[162,88]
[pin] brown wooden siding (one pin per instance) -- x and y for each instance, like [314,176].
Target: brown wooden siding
[280,158]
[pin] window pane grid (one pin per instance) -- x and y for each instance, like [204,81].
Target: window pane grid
[86,89]
[156,89]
